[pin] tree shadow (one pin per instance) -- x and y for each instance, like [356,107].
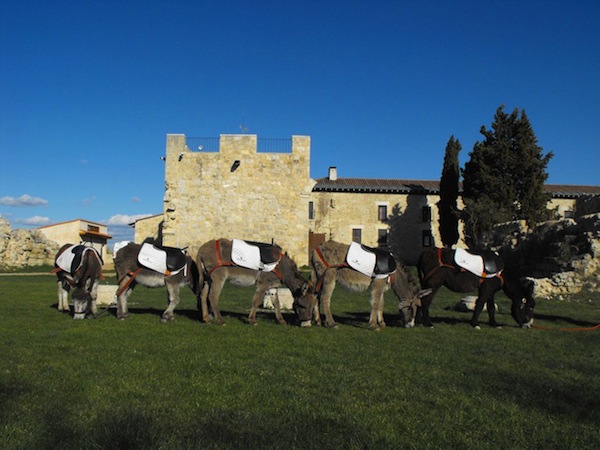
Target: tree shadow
[411,229]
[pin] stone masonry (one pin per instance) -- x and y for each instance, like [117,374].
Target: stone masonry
[237,192]
[20,248]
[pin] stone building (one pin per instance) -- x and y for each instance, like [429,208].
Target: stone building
[79,231]
[260,189]
[238,192]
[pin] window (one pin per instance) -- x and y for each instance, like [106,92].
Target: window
[311,210]
[427,238]
[426,213]
[93,228]
[569,214]
[382,212]
[382,237]
[357,235]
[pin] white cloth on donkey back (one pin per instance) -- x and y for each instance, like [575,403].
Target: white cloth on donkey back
[66,258]
[363,261]
[155,259]
[472,263]
[248,256]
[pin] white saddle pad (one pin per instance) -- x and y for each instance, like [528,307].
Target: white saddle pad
[362,261]
[65,259]
[248,256]
[155,259]
[472,263]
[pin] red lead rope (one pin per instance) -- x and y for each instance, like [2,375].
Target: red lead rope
[327,267]
[595,327]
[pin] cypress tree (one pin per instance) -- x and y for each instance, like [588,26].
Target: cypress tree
[447,206]
[504,179]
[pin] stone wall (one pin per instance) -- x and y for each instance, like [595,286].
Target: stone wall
[149,227]
[562,257]
[20,248]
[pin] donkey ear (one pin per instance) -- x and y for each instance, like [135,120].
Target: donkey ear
[425,292]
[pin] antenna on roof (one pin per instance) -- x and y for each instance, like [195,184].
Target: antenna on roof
[243,128]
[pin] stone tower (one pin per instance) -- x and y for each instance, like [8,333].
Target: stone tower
[237,192]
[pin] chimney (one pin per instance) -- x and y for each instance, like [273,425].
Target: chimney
[333,173]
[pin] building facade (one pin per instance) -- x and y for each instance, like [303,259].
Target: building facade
[233,188]
[79,231]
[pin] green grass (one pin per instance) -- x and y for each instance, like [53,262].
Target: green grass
[105,383]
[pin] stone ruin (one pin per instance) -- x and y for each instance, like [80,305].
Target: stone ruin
[21,248]
[561,257]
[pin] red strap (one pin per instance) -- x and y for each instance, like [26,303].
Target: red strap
[126,285]
[220,262]
[327,267]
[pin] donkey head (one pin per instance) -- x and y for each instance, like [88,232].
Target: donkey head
[523,303]
[304,304]
[408,308]
[82,303]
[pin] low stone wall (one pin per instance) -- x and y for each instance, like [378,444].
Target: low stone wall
[561,257]
[20,248]
[286,301]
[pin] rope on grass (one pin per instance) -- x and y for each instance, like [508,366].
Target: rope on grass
[595,327]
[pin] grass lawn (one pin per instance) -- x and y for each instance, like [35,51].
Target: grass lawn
[140,384]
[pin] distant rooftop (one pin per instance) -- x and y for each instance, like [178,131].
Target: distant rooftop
[426,187]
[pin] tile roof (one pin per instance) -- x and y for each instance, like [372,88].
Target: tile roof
[377,185]
[425,187]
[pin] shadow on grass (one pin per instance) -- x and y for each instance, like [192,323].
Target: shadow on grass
[228,429]
[553,396]
[552,318]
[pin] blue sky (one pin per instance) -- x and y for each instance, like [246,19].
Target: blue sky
[89,90]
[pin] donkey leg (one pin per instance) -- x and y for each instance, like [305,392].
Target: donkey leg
[376,317]
[203,303]
[94,295]
[278,314]
[172,301]
[216,286]
[326,292]
[423,310]
[477,311]
[317,314]
[491,307]
[261,289]
[63,296]
[122,310]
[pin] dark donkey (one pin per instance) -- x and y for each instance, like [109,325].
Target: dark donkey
[134,265]
[78,267]
[216,263]
[438,266]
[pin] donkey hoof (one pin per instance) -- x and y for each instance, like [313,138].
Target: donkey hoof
[476,327]
[306,324]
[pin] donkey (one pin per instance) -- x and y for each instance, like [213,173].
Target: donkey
[331,263]
[131,272]
[78,267]
[438,266]
[218,263]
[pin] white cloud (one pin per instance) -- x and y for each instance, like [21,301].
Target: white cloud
[23,200]
[136,199]
[35,221]
[120,233]
[124,219]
